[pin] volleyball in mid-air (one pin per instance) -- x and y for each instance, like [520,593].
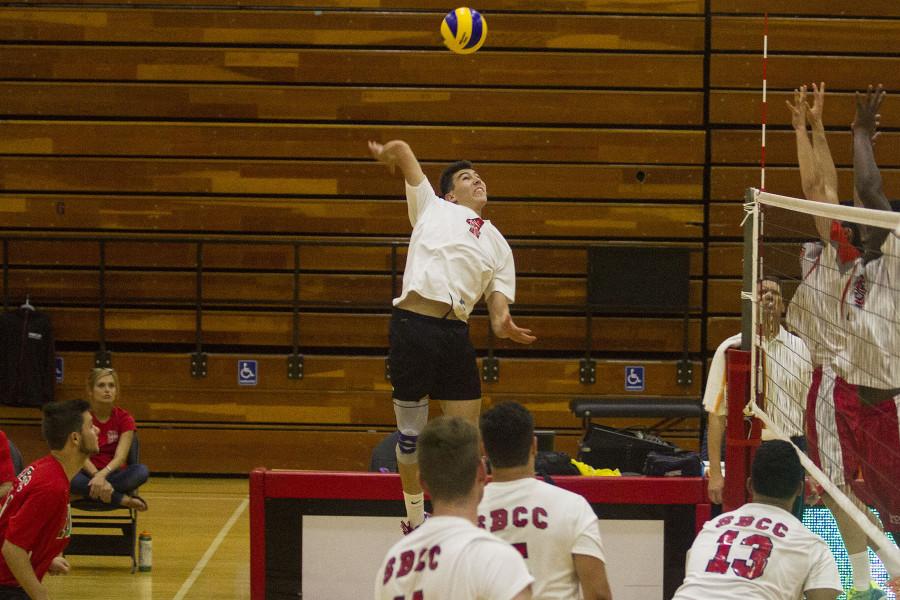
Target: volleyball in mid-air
[464,30]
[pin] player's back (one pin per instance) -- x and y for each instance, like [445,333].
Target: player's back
[757,552]
[547,525]
[450,558]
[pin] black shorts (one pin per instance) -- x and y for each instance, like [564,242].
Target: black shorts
[12,593]
[432,357]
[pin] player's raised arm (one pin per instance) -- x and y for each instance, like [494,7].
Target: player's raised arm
[866,176]
[397,154]
[812,176]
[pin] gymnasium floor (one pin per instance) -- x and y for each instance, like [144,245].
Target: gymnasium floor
[200,530]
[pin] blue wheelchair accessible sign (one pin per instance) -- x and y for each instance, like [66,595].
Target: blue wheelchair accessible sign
[634,379]
[248,372]
[60,369]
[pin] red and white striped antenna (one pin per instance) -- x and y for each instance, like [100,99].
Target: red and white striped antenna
[765,112]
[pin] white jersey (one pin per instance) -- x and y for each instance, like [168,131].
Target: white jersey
[547,525]
[870,308]
[757,552]
[454,256]
[787,374]
[814,312]
[451,559]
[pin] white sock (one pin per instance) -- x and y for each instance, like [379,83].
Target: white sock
[415,508]
[862,574]
[891,564]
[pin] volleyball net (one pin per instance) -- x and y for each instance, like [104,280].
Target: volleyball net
[821,297]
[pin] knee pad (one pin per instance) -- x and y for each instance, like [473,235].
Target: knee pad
[411,419]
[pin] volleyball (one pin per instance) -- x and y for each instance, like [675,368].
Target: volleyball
[464,30]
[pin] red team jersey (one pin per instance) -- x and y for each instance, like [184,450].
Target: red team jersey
[118,423]
[7,470]
[35,516]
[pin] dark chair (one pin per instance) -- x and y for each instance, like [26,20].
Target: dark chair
[92,520]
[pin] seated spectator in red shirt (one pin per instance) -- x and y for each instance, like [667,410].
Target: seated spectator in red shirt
[107,476]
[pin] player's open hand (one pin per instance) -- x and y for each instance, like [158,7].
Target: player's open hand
[384,153]
[507,329]
[867,107]
[814,112]
[798,108]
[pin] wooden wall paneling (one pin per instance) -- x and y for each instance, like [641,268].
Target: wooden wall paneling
[516,181]
[740,107]
[321,103]
[835,8]
[331,216]
[729,183]
[530,260]
[675,7]
[741,146]
[786,71]
[362,67]
[727,259]
[725,221]
[719,329]
[328,27]
[831,36]
[348,330]
[251,289]
[293,141]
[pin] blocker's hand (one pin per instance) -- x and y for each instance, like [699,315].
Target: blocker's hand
[867,107]
[798,108]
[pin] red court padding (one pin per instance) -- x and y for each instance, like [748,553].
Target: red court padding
[378,486]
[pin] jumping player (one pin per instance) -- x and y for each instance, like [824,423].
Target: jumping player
[832,410]
[35,524]
[455,257]
[870,360]
[556,530]
[761,551]
[448,556]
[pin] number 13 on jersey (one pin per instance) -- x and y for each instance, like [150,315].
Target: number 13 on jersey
[749,568]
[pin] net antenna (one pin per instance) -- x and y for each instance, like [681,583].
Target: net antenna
[756,202]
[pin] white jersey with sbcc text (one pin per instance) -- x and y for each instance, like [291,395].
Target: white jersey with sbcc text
[454,256]
[547,525]
[451,559]
[870,308]
[814,312]
[757,552]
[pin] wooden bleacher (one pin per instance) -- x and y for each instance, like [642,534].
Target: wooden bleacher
[158,126]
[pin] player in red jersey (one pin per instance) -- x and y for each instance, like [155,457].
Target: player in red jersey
[35,523]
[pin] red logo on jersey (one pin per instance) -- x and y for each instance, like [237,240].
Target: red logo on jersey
[500,518]
[859,291]
[475,226]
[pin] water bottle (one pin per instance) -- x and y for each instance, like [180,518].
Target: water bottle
[145,551]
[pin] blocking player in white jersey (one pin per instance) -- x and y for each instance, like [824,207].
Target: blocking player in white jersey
[761,551]
[556,530]
[448,557]
[870,362]
[832,408]
[455,257]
